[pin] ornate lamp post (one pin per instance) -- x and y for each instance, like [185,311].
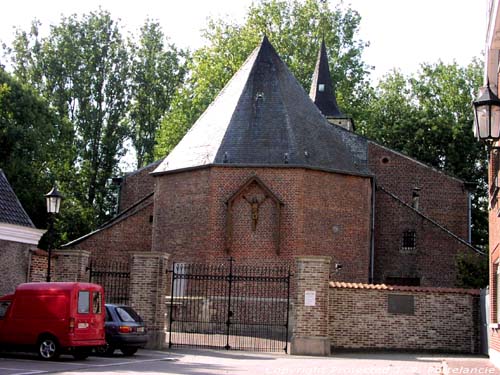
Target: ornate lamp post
[53,199]
[487,117]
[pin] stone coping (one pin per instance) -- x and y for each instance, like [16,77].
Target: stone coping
[400,288]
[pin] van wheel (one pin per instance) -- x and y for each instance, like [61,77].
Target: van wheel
[48,348]
[128,351]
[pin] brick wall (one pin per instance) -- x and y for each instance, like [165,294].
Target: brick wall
[124,236]
[148,285]
[38,266]
[315,217]
[434,257]
[136,185]
[443,320]
[71,265]
[310,332]
[494,246]
[442,198]
[14,257]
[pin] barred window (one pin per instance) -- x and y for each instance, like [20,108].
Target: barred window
[409,242]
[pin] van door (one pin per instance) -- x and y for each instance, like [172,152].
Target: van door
[89,322]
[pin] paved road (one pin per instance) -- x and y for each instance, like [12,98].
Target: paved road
[190,362]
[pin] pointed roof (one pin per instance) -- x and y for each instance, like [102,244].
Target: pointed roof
[11,210]
[263,117]
[322,92]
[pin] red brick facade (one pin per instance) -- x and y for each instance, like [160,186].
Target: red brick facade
[320,213]
[191,207]
[128,233]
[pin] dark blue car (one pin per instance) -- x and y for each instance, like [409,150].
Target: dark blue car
[125,330]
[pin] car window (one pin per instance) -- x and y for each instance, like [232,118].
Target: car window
[83,302]
[127,314]
[108,315]
[96,302]
[4,306]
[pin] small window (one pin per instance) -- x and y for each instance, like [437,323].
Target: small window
[96,302]
[409,242]
[4,306]
[83,302]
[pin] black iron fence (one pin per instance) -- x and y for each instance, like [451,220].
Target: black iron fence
[114,278]
[229,306]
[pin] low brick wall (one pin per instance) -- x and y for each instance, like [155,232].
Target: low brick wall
[365,316]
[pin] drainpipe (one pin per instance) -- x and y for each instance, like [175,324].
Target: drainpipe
[372,233]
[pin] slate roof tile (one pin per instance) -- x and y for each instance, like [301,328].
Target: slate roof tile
[11,210]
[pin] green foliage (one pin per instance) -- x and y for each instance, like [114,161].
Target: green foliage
[157,72]
[429,116]
[81,68]
[295,28]
[472,271]
[28,128]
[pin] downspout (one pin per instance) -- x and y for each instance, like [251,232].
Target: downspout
[469,215]
[372,233]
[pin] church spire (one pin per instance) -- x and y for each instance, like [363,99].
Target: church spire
[323,95]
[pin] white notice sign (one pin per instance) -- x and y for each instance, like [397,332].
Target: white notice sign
[310,298]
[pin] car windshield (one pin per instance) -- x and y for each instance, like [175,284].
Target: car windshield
[127,314]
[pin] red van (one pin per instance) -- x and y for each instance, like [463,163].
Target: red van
[53,318]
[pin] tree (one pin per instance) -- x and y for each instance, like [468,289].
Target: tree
[429,116]
[295,28]
[28,129]
[157,72]
[81,68]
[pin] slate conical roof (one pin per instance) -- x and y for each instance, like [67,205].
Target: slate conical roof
[322,92]
[263,117]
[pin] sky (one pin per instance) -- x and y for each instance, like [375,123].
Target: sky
[402,33]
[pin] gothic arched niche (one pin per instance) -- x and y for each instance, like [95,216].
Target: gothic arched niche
[250,209]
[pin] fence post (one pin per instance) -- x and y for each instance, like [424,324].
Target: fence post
[148,288]
[310,334]
[71,265]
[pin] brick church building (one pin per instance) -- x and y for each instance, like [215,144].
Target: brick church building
[268,173]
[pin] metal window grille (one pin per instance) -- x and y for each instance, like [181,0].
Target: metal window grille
[409,242]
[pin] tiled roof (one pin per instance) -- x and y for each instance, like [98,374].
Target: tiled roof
[398,288]
[11,210]
[263,117]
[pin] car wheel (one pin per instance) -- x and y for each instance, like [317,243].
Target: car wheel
[48,348]
[80,354]
[128,351]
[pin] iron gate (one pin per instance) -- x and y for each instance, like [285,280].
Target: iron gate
[229,306]
[114,278]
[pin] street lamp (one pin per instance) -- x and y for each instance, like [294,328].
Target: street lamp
[487,117]
[53,199]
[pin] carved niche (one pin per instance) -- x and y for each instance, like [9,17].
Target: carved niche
[254,202]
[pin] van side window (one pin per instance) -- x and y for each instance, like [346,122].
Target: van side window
[4,306]
[83,302]
[96,302]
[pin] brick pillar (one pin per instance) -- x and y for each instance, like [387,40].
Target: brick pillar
[148,286]
[310,333]
[71,265]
